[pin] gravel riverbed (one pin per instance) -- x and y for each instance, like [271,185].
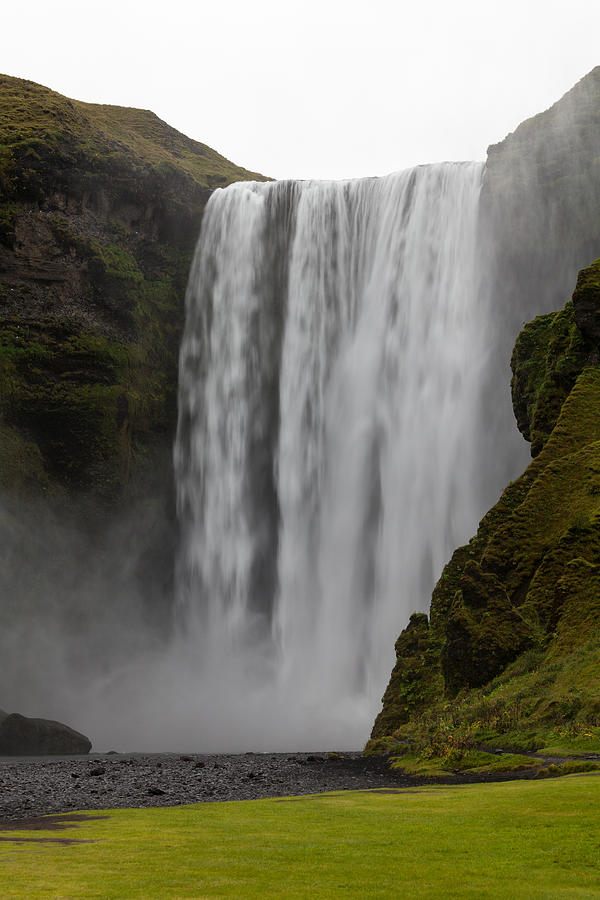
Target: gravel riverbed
[39,786]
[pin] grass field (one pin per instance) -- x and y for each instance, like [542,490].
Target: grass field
[526,839]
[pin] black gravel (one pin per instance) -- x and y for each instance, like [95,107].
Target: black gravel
[44,785]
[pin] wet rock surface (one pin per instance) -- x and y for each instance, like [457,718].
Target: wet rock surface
[34,787]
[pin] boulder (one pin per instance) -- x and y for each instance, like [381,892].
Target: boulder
[21,736]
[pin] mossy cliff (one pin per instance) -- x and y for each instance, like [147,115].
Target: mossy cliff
[100,208]
[512,643]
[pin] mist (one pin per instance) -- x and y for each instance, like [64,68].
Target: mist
[80,644]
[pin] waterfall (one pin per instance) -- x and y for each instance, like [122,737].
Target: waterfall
[330,376]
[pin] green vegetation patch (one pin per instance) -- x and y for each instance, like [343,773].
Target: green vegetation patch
[519,839]
[572,767]
[544,701]
[98,410]
[478,762]
[64,392]
[548,356]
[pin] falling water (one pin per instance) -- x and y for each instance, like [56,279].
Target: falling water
[329,382]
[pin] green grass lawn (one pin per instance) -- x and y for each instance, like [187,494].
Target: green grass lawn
[527,839]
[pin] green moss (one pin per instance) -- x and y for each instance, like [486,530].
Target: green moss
[98,412]
[568,768]
[578,739]
[66,393]
[117,262]
[415,680]
[544,701]
[548,356]
[474,761]
[484,631]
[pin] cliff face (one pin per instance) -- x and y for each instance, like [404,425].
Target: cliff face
[100,208]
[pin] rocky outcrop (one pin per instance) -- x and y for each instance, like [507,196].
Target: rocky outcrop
[22,736]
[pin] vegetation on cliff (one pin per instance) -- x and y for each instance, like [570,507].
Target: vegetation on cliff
[510,653]
[100,208]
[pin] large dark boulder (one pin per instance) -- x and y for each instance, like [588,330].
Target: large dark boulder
[21,736]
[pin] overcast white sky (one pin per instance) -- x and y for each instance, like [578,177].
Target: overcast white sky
[314,88]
